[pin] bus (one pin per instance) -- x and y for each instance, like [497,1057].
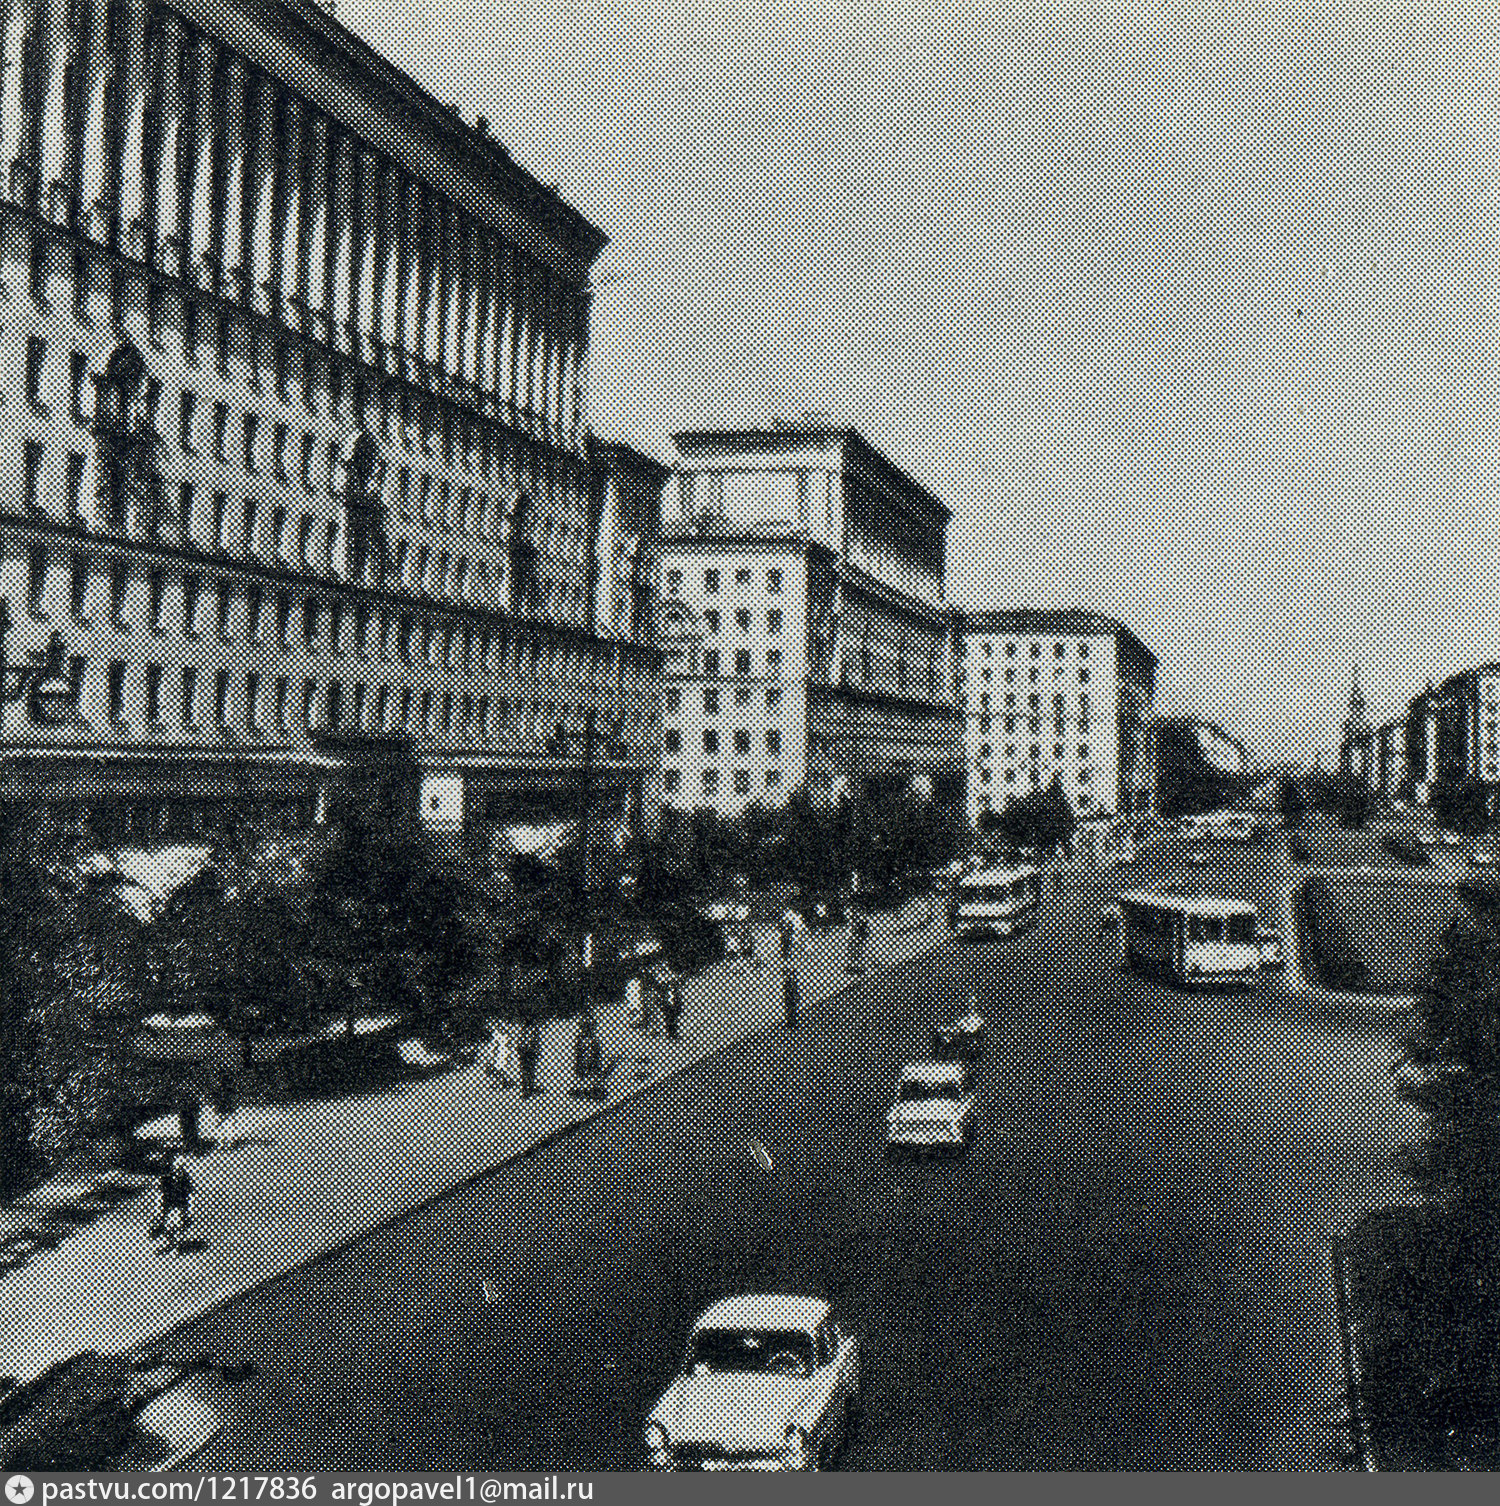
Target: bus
[1191,940]
[999,901]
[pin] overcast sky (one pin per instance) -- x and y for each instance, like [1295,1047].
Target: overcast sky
[1188,312]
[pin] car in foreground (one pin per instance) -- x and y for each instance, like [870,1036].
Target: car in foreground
[768,1382]
[962,1039]
[934,1109]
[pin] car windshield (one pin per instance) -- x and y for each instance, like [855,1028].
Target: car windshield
[760,1350]
[914,1091]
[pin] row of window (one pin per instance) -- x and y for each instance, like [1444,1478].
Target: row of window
[672,780]
[672,741]
[676,662]
[741,697]
[742,619]
[258,704]
[1034,704]
[987,675]
[1010,751]
[1084,775]
[1059,650]
[414,418]
[711,582]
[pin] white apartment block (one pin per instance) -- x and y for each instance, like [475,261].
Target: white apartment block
[1062,694]
[292,369]
[806,644]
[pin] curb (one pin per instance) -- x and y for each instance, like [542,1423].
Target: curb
[1362,1445]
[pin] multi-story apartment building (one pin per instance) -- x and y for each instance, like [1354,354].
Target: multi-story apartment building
[1451,736]
[806,640]
[1064,694]
[291,368]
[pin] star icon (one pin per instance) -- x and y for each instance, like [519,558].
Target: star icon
[19,1490]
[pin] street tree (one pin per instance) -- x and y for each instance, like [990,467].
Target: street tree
[1291,803]
[1453,1042]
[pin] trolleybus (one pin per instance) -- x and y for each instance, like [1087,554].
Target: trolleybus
[996,901]
[1191,940]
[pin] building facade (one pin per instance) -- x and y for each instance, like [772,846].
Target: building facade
[805,637]
[1357,741]
[292,369]
[1063,694]
[1451,737]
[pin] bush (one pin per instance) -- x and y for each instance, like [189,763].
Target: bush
[72,1418]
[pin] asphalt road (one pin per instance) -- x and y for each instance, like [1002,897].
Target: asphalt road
[1129,1270]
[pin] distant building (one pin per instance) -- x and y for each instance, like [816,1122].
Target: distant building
[1199,767]
[805,636]
[1356,746]
[1392,773]
[1065,694]
[1451,736]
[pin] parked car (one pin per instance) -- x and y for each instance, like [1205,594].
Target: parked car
[1483,857]
[768,1382]
[1413,853]
[934,1108]
[963,1039]
[1449,838]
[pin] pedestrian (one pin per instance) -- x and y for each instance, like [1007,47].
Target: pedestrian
[792,994]
[635,1002]
[788,933]
[671,1007]
[174,1216]
[187,1121]
[587,1060]
[859,939]
[528,1048]
[226,1103]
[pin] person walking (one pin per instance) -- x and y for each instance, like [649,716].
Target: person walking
[671,1007]
[528,1048]
[226,1103]
[587,1059]
[792,997]
[187,1120]
[174,1215]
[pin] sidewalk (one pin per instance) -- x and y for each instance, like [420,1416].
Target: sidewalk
[313,1176]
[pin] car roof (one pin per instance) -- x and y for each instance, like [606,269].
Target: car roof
[766,1310]
[933,1072]
[1189,904]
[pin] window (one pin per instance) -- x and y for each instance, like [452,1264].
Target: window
[1083,651]
[36,577]
[1058,650]
[711,661]
[1083,676]
[79,585]
[221,506]
[116,692]
[310,623]
[1033,677]
[1010,677]
[304,543]
[1083,776]
[773,778]
[226,599]
[674,699]
[185,421]
[773,662]
[773,697]
[672,741]
[192,587]
[674,582]
[773,743]
[75,488]
[742,618]
[1036,650]
[742,662]
[221,698]
[742,577]
[1083,752]
[710,580]
[282,688]
[307,462]
[189,695]
[710,781]
[671,779]
[711,699]
[773,582]
[36,355]
[711,619]
[984,750]
[1057,751]
[78,370]
[34,478]
[710,740]
[251,424]
[741,782]
[153,694]
[742,742]
[773,622]
[741,695]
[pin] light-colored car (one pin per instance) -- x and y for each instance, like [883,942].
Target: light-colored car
[768,1382]
[934,1108]
[1449,838]
[1483,857]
